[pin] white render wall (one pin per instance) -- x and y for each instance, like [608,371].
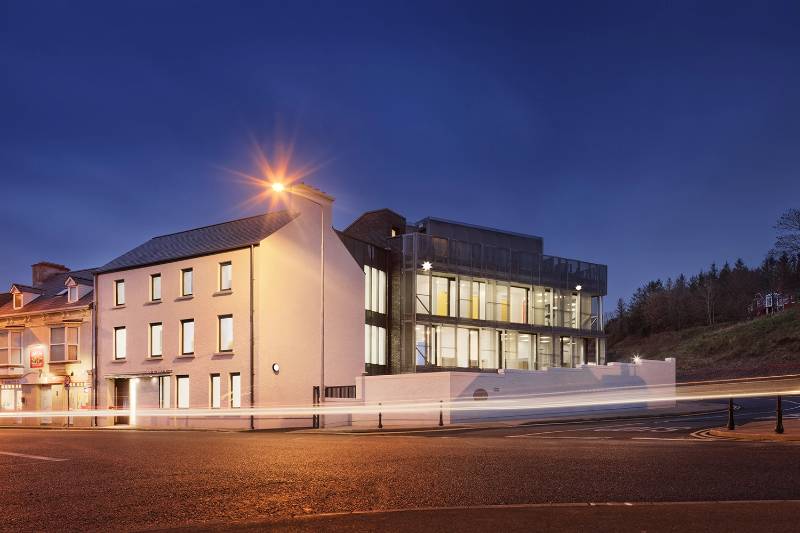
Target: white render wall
[591,385]
[205,305]
[287,302]
[289,294]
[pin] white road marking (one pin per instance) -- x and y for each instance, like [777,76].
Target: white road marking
[37,457]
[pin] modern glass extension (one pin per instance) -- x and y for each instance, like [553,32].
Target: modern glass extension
[475,298]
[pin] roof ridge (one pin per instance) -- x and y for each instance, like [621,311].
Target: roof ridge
[220,223]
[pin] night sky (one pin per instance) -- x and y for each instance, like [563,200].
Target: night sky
[653,137]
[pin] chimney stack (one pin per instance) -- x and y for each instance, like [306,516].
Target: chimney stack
[43,270]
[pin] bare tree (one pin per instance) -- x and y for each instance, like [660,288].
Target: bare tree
[789,225]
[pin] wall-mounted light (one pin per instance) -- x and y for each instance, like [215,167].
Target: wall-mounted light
[276,367]
[578,287]
[426,266]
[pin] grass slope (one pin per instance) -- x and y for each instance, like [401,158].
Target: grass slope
[768,345]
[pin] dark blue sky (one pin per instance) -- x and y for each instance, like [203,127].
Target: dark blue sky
[654,137]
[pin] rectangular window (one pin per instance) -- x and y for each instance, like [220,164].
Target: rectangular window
[446,346]
[4,347]
[381,291]
[17,300]
[465,299]
[519,305]
[72,344]
[443,302]
[163,392]
[119,292]
[187,337]
[225,333]
[72,294]
[63,344]
[462,348]
[216,394]
[374,345]
[225,276]
[57,345]
[10,347]
[374,289]
[156,335]
[183,391]
[423,294]
[120,351]
[236,390]
[187,282]
[155,288]
[501,303]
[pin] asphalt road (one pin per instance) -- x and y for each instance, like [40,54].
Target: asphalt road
[503,478]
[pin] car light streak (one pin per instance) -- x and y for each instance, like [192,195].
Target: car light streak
[618,396]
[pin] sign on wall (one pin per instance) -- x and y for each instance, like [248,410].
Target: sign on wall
[37,357]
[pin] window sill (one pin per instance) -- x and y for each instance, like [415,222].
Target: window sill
[63,362]
[154,358]
[120,360]
[223,293]
[187,297]
[118,306]
[185,356]
[223,354]
[11,365]
[152,302]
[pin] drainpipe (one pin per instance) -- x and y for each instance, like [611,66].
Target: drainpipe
[252,343]
[94,346]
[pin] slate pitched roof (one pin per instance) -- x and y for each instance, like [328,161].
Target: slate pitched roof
[207,240]
[51,298]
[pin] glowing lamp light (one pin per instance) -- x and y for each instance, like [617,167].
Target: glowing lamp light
[426,266]
[276,367]
[277,186]
[637,359]
[578,287]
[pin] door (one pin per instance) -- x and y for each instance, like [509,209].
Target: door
[46,403]
[121,389]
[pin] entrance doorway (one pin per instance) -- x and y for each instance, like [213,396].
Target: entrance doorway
[47,403]
[121,397]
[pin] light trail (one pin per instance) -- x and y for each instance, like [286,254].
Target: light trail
[617,396]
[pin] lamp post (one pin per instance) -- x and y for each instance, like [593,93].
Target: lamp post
[279,187]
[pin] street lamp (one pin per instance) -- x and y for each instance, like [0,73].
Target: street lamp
[279,187]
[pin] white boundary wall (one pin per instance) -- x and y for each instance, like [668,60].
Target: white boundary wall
[414,399]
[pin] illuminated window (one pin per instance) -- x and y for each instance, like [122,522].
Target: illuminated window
[225,276]
[119,292]
[63,344]
[519,305]
[225,333]
[501,303]
[72,294]
[155,288]
[236,390]
[183,391]
[10,347]
[120,350]
[374,289]
[374,345]
[216,394]
[443,301]
[17,300]
[187,281]
[423,294]
[163,392]
[156,336]
[187,337]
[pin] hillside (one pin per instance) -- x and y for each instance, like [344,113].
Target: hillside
[764,346]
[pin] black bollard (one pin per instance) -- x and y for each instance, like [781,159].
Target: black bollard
[441,419]
[380,418]
[779,416]
[731,422]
